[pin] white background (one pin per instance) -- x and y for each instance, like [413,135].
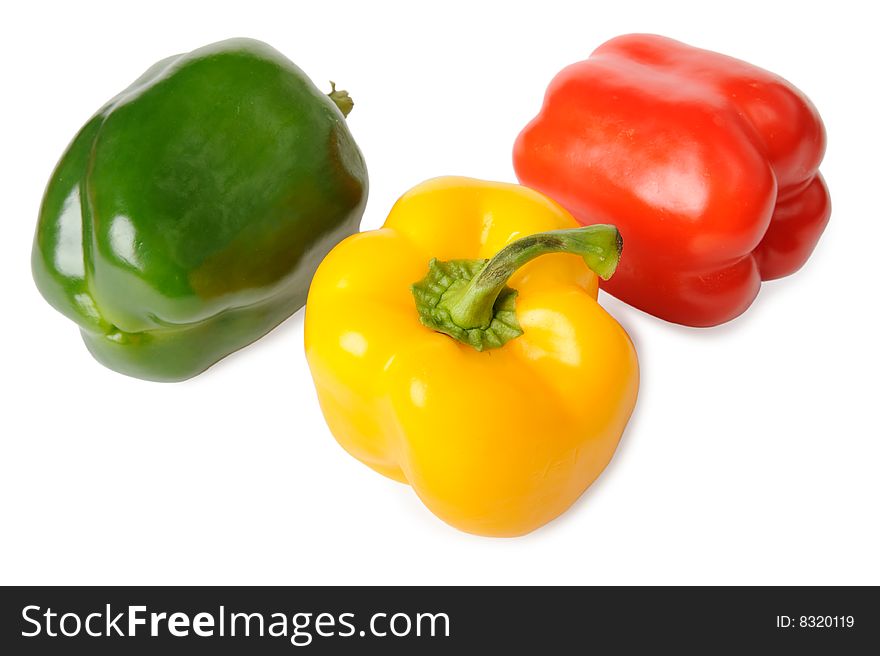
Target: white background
[752,456]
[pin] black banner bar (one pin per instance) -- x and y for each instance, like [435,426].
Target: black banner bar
[435,620]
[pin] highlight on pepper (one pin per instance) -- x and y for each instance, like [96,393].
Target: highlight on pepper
[460,349]
[187,217]
[707,164]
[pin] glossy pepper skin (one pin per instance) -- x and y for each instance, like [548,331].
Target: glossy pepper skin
[707,164]
[497,441]
[187,217]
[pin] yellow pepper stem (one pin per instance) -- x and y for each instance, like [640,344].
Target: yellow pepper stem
[472,307]
[469,299]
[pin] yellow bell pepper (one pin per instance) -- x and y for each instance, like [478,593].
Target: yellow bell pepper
[499,390]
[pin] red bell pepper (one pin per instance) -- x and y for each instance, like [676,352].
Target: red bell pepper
[708,166]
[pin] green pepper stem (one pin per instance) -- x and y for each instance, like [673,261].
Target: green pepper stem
[341,99]
[473,306]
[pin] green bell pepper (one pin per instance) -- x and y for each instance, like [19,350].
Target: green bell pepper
[187,217]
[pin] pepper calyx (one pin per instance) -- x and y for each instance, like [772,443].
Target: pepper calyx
[446,280]
[470,301]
